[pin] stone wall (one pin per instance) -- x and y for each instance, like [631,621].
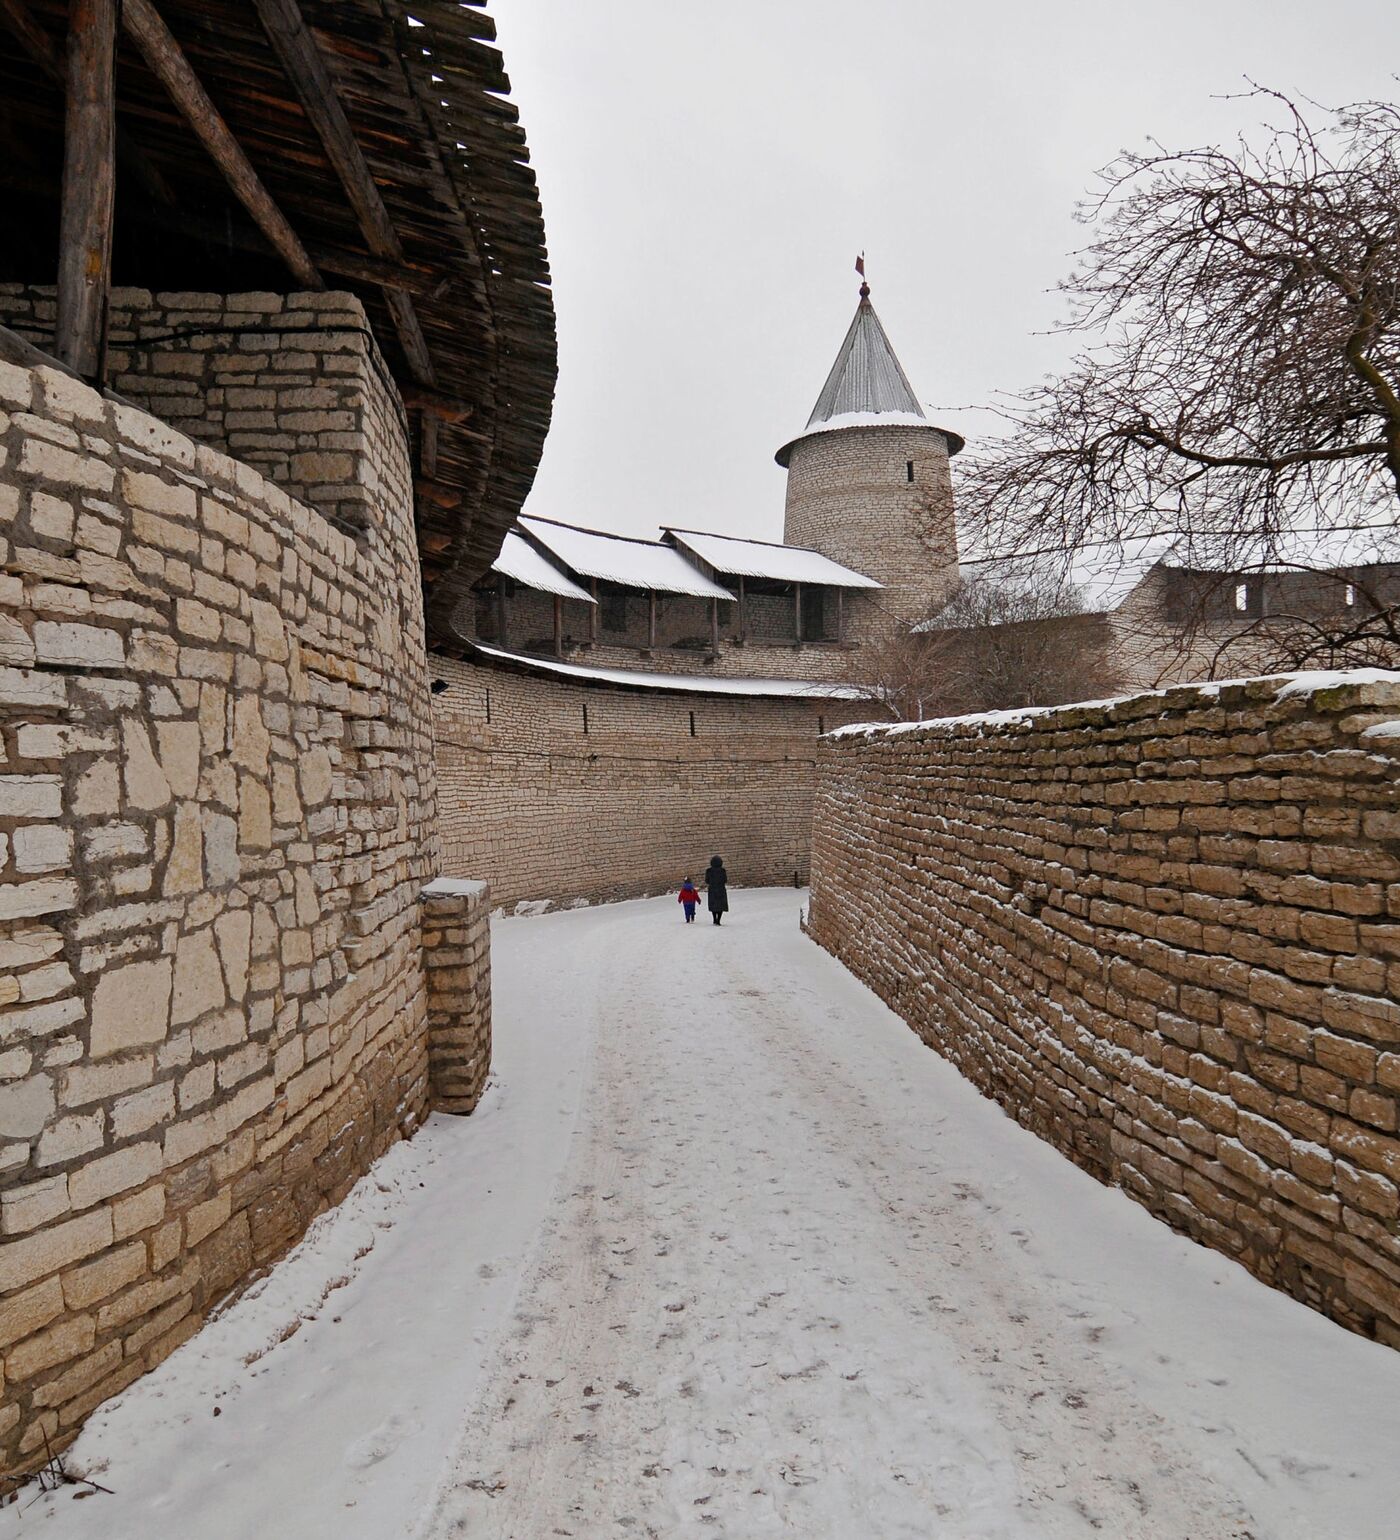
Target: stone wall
[849,496]
[216,816]
[1164,934]
[457,975]
[560,791]
[290,384]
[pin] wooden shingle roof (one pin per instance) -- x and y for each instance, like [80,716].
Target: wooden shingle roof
[452,269]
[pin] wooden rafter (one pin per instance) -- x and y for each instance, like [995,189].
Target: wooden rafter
[89,185]
[170,66]
[306,69]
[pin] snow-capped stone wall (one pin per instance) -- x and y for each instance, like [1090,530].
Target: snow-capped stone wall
[1164,934]
[216,819]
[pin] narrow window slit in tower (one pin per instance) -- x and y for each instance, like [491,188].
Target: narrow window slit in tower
[692,724]
[909,470]
[488,705]
[585,716]
[821,726]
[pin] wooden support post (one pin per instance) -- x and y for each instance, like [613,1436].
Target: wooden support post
[89,181]
[558,627]
[797,608]
[170,66]
[651,620]
[714,626]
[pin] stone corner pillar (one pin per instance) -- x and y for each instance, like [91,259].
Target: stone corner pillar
[457,975]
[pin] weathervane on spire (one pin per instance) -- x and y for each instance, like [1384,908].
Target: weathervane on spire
[860,268]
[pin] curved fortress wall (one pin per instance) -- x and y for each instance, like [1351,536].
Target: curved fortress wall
[1164,934]
[561,791]
[216,817]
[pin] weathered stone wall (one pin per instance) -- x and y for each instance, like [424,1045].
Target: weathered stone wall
[849,496]
[1164,934]
[553,790]
[216,816]
[457,975]
[282,382]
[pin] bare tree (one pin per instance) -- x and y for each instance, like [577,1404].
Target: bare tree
[1241,374]
[999,642]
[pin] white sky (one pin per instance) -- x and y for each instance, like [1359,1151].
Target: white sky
[710,172]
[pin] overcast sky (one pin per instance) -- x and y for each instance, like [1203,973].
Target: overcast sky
[710,172]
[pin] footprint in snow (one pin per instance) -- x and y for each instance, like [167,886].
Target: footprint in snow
[379,1443]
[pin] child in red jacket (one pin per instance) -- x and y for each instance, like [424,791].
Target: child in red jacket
[690,897]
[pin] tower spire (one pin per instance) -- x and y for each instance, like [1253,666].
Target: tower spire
[860,268]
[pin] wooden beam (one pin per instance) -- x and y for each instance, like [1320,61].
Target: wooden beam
[438,495]
[301,59]
[170,66]
[433,403]
[89,182]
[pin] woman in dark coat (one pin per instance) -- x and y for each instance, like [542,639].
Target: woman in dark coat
[717,883]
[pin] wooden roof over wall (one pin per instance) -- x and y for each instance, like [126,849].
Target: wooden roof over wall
[457,287]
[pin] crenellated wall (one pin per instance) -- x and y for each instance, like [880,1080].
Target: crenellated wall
[216,820]
[1164,934]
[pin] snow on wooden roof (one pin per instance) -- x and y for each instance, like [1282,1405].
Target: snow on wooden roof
[621,559]
[693,684]
[521,561]
[763,559]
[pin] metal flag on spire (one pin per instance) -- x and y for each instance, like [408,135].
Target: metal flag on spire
[860,268]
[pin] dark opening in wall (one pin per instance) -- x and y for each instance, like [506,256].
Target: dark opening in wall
[821,726]
[909,470]
[488,705]
[692,724]
[585,716]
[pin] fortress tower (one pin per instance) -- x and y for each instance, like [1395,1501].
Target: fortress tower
[868,478]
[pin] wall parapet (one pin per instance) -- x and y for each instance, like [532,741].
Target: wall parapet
[1164,934]
[456,922]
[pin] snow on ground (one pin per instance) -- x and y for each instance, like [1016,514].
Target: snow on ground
[727,1252]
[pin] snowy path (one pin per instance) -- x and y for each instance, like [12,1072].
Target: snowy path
[727,1252]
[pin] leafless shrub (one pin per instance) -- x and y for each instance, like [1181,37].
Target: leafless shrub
[996,643]
[1241,374]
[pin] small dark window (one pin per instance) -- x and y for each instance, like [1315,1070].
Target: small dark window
[909,470]
[488,705]
[692,724]
[821,726]
[585,716]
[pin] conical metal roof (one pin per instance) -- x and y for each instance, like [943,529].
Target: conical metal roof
[866,388]
[866,376]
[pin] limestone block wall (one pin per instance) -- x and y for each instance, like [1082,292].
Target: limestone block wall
[283,382]
[849,496]
[559,791]
[457,977]
[1164,934]
[216,817]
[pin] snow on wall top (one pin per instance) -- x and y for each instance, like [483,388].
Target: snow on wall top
[1304,682]
[697,684]
[762,559]
[521,561]
[618,559]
